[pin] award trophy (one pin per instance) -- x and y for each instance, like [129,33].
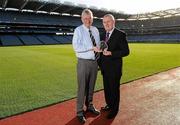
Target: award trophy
[103,46]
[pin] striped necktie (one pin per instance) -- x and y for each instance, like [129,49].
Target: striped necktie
[92,38]
[94,44]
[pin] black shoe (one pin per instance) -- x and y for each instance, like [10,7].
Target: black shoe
[106,108]
[81,119]
[111,115]
[93,110]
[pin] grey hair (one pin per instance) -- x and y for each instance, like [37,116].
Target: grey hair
[87,11]
[109,15]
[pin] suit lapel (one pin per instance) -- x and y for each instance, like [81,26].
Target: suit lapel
[112,36]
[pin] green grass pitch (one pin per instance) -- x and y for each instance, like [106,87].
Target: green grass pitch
[37,76]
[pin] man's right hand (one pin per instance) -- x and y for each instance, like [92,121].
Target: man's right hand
[96,49]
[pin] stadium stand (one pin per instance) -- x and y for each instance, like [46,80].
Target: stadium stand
[38,18]
[155,38]
[29,40]
[36,22]
[62,39]
[46,39]
[10,40]
[69,37]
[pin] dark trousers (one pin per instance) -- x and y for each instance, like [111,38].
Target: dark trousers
[111,83]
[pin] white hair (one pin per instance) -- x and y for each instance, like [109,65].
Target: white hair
[109,15]
[87,11]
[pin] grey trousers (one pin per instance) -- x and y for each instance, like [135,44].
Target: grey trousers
[86,77]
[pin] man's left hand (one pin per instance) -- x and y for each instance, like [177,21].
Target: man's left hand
[107,53]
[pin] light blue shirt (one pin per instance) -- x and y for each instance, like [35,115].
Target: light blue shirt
[82,43]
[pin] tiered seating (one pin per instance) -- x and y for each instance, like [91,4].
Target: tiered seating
[136,24]
[46,39]
[69,37]
[61,39]
[8,40]
[38,28]
[160,37]
[29,40]
[33,18]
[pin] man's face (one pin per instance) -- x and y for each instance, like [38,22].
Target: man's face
[87,20]
[108,23]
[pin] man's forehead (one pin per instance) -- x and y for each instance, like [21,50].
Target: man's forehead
[107,19]
[86,16]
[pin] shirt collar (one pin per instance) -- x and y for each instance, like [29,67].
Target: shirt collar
[86,28]
[110,32]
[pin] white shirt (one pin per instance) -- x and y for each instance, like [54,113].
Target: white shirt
[82,43]
[110,32]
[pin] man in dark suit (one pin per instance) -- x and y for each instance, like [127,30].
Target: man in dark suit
[111,64]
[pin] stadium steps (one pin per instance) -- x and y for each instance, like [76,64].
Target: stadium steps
[30,40]
[69,37]
[20,40]
[51,36]
[10,40]
[61,39]
[46,39]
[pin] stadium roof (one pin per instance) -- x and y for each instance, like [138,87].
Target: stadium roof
[68,8]
[157,14]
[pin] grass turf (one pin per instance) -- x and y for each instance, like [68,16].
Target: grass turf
[36,76]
